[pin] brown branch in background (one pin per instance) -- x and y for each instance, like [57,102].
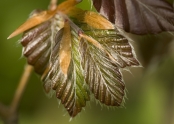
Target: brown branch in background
[21,87]
[10,114]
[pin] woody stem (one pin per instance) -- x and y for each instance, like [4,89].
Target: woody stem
[9,114]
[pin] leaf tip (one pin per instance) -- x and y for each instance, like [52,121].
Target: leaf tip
[11,35]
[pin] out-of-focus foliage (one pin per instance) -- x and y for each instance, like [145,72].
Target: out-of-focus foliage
[150,89]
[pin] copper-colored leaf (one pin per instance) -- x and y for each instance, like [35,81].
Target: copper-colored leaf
[74,56]
[70,88]
[38,42]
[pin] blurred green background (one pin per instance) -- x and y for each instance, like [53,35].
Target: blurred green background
[150,90]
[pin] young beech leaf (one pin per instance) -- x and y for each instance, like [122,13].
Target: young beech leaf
[70,87]
[117,45]
[102,75]
[74,56]
[138,16]
[38,42]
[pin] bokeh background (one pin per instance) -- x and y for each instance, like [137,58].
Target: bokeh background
[150,89]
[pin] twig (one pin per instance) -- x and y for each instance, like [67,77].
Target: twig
[21,88]
[10,114]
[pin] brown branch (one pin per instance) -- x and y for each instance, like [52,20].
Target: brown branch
[10,114]
[21,87]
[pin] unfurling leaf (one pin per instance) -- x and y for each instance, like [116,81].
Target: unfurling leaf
[76,57]
[70,86]
[102,75]
[138,16]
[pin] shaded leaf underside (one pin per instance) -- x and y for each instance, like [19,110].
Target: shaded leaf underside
[71,66]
